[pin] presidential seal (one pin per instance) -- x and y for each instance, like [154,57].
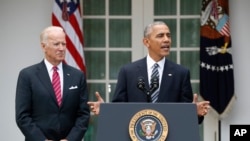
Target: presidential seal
[148,125]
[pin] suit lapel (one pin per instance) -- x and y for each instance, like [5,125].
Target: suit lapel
[67,79]
[166,80]
[45,79]
[143,71]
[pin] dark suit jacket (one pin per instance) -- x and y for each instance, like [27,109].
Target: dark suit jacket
[37,114]
[175,84]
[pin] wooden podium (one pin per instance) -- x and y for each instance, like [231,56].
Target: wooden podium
[114,121]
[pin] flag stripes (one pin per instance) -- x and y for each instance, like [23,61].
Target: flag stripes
[225,30]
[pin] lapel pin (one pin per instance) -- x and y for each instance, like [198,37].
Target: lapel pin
[169,74]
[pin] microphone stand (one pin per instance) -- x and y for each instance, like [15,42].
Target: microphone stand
[153,86]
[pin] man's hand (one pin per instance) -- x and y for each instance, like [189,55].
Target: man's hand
[95,105]
[202,107]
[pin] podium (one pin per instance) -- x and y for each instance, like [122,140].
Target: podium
[115,121]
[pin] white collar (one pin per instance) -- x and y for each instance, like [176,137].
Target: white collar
[151,62]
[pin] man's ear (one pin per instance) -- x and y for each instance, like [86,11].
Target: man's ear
[146,42]
[43,46]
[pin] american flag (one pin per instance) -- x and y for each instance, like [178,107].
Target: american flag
[67,14]
[223,26]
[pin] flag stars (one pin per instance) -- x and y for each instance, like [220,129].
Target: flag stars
[222,68]
[208,66]
[203,64]
[231,66]
[227,68]
[68,1]
[213,68]
[216,68]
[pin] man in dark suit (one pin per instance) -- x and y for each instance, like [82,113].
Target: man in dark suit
[173,79]
[39,114]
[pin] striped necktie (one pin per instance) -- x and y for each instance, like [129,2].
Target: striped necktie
[155,74]
[57,86]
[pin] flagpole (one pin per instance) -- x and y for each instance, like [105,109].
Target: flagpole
[219,130]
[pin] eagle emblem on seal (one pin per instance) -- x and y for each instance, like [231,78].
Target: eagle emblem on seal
[148,128]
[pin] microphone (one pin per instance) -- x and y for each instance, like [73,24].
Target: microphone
[154,84]
[141,86]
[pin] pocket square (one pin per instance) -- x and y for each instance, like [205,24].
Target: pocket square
[73,87]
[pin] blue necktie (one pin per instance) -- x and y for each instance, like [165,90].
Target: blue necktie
[155,74]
